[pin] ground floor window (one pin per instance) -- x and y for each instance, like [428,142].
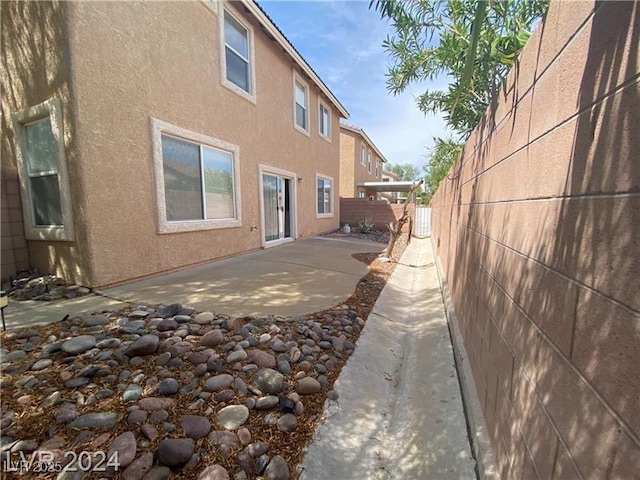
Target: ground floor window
[43,172]
[199,180]
[324,196]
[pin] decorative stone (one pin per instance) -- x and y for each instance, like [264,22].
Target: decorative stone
[168,386]
[287,423]
[166,325]
[277,469]
[145,345]
[261,358]
[218,383]
[158,473]
[308,386]
[265,403]
[173,452]
[226,442]
[236,356]
[137,469]
[132,393]
[244,435]
[155,403]
[204,318]
[125,447]
[137,417]
[233,416]
[95,420]
[214,472]
[212,338]
[195,426]
[268,380]
[78,345]
[41,364]
[171,310]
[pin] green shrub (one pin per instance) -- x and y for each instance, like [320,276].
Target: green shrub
[365,225]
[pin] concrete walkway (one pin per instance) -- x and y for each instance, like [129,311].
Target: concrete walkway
[291,279]
[399,414]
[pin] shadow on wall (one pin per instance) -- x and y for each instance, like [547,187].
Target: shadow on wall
[550,315]
[37,67]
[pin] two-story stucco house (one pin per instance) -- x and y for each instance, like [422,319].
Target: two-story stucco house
[144,137]
[360,161]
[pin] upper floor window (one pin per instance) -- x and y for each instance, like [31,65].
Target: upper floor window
[42,167]
[377,168]
[301,97]
[369,163]
[324,121]
[197,180]
[363,154]
[238,61]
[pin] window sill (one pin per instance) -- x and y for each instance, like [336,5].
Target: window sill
[238,91]
[326,139]
[54,234]
[197,225]
[301,130]
[324,215]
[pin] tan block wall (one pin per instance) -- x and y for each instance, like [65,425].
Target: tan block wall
[135,60]
[381,213]
[538,232]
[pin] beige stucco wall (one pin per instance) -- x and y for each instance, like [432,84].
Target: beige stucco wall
[348,146]
[36,66]
[352,171]
[538,230]
[133,61]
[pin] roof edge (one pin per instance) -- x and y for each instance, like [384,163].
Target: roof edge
[361,132]
[271,27]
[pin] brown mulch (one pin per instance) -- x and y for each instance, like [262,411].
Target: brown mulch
[290,446]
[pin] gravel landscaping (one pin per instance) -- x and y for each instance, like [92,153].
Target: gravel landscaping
[177,393]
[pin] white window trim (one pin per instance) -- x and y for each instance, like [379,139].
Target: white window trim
[251,97]
[212,5]
[320,134]
[297,78]
[363,158]
[50,108]
[377,171]
[369,161]
[159,127]
[331,200]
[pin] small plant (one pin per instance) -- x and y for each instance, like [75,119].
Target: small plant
[365,225]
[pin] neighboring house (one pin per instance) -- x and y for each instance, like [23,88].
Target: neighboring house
[144,137]
[391,197]
[360,162]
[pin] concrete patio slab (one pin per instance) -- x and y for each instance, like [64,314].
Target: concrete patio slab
[399,414]
[291,279]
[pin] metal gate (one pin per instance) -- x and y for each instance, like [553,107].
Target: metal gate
[422,222]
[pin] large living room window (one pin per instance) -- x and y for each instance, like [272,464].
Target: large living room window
[42,167]
[237,68]
[197,179]
[324,196]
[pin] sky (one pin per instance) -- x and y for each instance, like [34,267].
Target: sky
[342,42]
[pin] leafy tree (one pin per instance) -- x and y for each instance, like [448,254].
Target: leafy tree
[440,158]
[472,42]
[405,171]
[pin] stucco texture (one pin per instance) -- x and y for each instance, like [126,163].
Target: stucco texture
[537,227]
[134,61]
